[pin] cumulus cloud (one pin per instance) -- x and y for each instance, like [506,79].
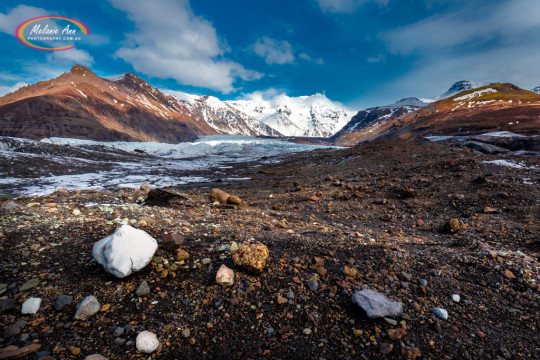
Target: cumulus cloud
[474,42]
[70,57]
[170,41]
[345,6]
[274,51]
[10,20]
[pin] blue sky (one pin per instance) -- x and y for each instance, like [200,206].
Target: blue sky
[358,52]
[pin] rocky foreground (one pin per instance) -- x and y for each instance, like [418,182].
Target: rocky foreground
[446,240]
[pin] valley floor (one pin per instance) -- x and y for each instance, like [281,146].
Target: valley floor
[377,208]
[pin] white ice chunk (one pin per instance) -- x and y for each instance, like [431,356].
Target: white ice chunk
[125,251]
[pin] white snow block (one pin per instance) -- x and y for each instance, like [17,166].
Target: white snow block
[125,251]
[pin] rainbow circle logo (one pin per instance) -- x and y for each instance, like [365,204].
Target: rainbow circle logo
[65,34]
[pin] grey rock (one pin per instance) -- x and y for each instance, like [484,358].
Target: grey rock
[62,301]
[87,307]
[143,289]
[289,295]
[32,283]
[376,305]
[10,205]
[95,357]
[306,331]
[14,329]
[7,305]
[31,306]
[455,298]
[313,285]
[422,282]
[147,342]
[119,331]
[440,313]
[186,333]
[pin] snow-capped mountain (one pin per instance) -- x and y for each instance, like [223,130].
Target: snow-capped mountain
[221,116]
[310,116]
[458,87]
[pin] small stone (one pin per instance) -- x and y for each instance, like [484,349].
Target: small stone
[75,351]
[145,187]
[392,321]
[251,256]
[376,305]
[62,192]
[234,247]
[206,261]
[423,282]
[306,331]
[451,227]
[147,342]
[490,210]
[186,333]
[182,255]
[321,270]
[143,289]
[386,348]
[313,285]
[394,334]
[119,331]
[76,212]
[172,242]
[87,307]
[10,205]
[410,352]
[480,334]
[17,353]
[509,275]
[440,313]
[225,276]
[62,301]
[31,306]
[455,298]
[95,357]
[7,305]
[358,332]
[14,329]
[406,276]
[350,271]
[219,195]
[29,285]
[281,299]
[289,295]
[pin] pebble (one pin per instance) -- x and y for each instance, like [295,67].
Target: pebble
[451,226]
[29,285]
[386,348]
[143,289]
[87,307]
[62,301]
[234,247]
[14,329]
[186,333]
[147,342]
[76,212]
[31,306]
[440,313]
[206,261]
[289,295]
[7,305]
[95,357]
[313,285]
[225,276]
[423,282]
[376,305]
[455,298]
[306,331]
[119,331]
[172,242]
[251,256]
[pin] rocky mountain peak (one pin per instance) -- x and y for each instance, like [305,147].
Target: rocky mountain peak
[81,70]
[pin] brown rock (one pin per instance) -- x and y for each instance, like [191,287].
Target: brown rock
[410,352]
[490,210]
[172,242]
[19,353]
[394,334]
[182,254]
[386,348]
[166,196]
[219,196]
[234,200]
[63,192]
[321,270]
[251,256]
[508,274]
[451,227]
[350,271]
[281,299]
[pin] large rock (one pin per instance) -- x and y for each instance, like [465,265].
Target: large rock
[166,197]
[125,251]
[147,342]
[7,305]
[251,256]
[376,305]
[172,242]
[62,301]
[225,276]
[88,307]
[219,196]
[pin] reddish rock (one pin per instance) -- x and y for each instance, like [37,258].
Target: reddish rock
[490,210]
[172,242]
[219,196]
[452,226]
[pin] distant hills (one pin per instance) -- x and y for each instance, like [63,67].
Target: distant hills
[79,104]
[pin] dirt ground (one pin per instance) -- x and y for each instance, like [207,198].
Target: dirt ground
[378,209]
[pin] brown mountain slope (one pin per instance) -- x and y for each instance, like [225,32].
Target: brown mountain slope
[499,107]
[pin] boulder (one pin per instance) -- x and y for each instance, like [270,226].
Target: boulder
[251,256]
[234,200]
[225,276]
[125,251]
[166,197]
[376,305]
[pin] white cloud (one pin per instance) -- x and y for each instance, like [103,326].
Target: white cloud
[345,6]
[70,57]
[7,89]
[12,19]
[274,51]
[170,41]
[306,57]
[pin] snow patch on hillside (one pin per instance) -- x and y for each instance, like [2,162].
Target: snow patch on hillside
[475,94]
